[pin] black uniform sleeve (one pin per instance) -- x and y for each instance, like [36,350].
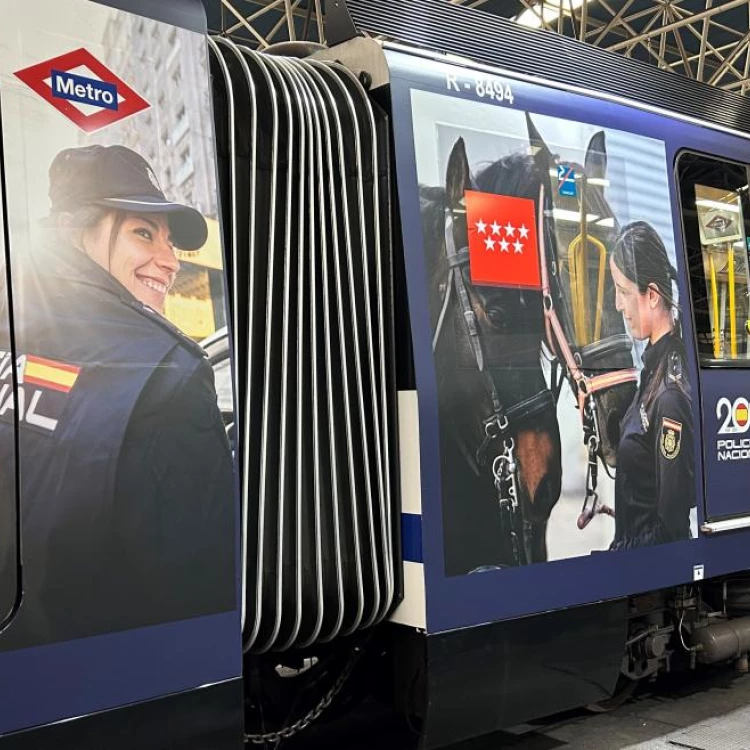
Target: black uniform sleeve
[672,429]
[175,490]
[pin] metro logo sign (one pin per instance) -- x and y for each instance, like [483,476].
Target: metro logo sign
[83,89]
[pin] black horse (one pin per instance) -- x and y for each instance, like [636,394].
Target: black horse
[510,326]
[506,368]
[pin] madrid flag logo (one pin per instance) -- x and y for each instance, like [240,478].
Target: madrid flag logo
[503,248]
[83,89]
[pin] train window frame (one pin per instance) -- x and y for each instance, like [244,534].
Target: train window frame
[9,609]
[697,281]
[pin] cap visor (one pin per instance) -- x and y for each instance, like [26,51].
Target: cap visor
[187,225]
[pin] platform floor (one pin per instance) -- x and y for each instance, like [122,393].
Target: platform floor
[709,710]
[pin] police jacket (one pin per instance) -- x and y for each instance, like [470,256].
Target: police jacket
[126,486]
[654,486]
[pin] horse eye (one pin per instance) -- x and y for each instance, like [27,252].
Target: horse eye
[497,316]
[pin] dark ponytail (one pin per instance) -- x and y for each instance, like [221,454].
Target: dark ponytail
[640,255]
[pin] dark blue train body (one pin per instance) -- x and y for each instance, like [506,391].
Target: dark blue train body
[473,325]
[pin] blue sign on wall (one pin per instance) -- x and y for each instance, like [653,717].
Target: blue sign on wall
[566,180]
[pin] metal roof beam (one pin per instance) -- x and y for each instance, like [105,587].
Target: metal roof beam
[285,19]
[648,11]
[712,22]
[681,46]
[612,22]
[584,18]
[290,20]
[704,41]
[708,13]
[723,68]
[244,23]
[630,43]
[267,6]
[718,52]
[535,8]
[620,31]
[253,16]
[660,57]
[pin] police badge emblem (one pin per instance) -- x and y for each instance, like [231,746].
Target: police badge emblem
[671,438]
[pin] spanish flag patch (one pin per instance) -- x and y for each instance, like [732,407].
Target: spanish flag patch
[47,373]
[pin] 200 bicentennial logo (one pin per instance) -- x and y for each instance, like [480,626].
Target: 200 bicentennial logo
[734,417]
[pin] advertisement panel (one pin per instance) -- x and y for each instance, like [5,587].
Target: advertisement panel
[127,506]
[605,239]
[727,446]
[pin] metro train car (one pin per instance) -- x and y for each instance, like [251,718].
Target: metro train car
[411,367]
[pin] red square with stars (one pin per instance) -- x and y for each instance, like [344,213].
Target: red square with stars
[503,248]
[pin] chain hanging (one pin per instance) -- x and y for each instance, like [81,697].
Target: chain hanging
[591,505]
[494,427]
[275,738]
[505,473]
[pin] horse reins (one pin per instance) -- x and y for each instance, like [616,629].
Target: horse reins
[505,419]
[585,387]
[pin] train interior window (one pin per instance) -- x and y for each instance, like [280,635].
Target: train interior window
[715,216]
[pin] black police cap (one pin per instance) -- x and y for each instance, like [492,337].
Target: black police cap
[118,177]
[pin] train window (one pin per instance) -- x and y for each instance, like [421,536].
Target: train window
[716,223]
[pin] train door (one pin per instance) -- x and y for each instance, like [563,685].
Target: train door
[716,222]
[9,548]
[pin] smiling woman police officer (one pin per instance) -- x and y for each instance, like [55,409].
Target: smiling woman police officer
[654,486]
[125,469]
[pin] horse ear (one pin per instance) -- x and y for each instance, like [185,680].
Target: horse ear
[596,156]
[458,174]
[539,149]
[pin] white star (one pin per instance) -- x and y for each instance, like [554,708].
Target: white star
[481,226]
[504,246]
[510,230]
[518,247]
[524,232]
[496,228]
[489,243]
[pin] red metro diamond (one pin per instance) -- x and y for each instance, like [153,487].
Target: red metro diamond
[85,90]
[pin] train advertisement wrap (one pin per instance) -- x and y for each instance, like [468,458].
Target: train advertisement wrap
[555,366]
[587,276]
[125,474]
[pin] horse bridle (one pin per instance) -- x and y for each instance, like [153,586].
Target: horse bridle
[505,420]
[585,387]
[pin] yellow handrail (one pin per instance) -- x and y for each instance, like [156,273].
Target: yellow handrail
[732,303]
[715,304]
[578,270]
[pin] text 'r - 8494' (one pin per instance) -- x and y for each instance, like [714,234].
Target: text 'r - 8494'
[484,87]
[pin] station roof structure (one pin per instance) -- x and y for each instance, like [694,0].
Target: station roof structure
[708,40]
